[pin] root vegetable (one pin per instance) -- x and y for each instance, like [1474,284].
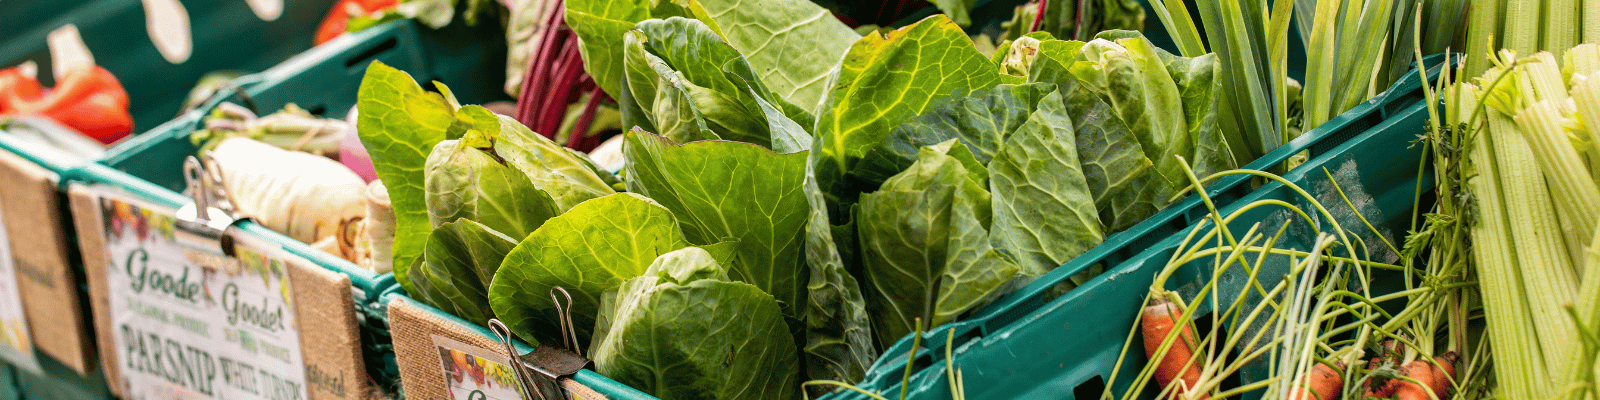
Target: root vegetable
[380,227]
[307,197]
[1181,363]
[1323,383]
[1429,378]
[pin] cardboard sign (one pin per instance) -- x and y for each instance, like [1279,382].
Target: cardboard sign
[426,345]
[16,343]
[181,317]
[39,259]
[192,322]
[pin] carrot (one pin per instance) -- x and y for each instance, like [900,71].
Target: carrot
[1323,383]
[1429,378]
[1181,363]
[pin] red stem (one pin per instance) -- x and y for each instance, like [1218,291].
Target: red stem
[538,65]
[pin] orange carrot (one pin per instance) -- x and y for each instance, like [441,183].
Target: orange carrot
[1323,383]
[1182,362]
[1429,378]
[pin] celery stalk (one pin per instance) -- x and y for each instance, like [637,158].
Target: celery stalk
[1522,26]
[1543,265]
[1561,30]
[1576,194]
[1591,13]
[1510,324]
[1483,34]
[1586,100]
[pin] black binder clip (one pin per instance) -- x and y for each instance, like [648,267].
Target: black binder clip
[541,371]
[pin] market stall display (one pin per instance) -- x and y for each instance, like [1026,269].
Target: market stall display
[790,199]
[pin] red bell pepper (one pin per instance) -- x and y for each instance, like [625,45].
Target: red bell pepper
[88,99]
[339,17]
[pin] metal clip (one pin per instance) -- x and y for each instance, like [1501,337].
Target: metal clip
[203,221]
[540,371]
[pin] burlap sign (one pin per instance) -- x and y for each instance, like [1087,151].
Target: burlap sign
[32,216]
[324,312]
[414,330]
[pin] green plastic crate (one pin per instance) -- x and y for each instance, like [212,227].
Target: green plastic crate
[57,383]
[1030,345]
[325,81]
[227,35]
[29,15]
[8,382]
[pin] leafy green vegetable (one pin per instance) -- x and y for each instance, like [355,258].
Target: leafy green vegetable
[982,121]
[1043,212]
[883,81]
[458,262]
[1106,86]
[791,44]
[399,124]
[1198,85]
[838,336]
[767,212]
[674,71]
[925,244]
[468,183]
[600,25]
[958,10]
[1131,78]
[683,330]
[593,247]
[569,178]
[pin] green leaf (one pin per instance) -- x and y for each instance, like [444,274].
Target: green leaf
[674,71]
[1130,76]
[1043,211]
[981,121]
[1198,85]
[460,260]
[958,10]
[1122,180]
[594,247]
[399,124]
[791,44]
[885,80]
[838,334]
[919,236]
[464,182]
[566,177]
[600,25]
[765,210]
[683,331]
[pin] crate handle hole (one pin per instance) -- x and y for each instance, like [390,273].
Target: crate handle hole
[1090,389]
[371,53]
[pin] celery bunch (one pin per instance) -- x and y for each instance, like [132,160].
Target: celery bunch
[1531,168]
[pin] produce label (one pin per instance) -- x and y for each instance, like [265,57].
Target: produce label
[192,323]
[474,373]
[17,348]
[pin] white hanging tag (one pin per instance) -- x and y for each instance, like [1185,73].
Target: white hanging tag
[267,10]
[168,24]
[67,51]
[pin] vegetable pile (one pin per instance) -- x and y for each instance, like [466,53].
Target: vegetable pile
[807,194]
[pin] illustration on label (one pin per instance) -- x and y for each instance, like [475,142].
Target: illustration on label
[474,373]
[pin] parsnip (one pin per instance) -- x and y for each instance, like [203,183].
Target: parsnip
[302,195]
[380,227]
